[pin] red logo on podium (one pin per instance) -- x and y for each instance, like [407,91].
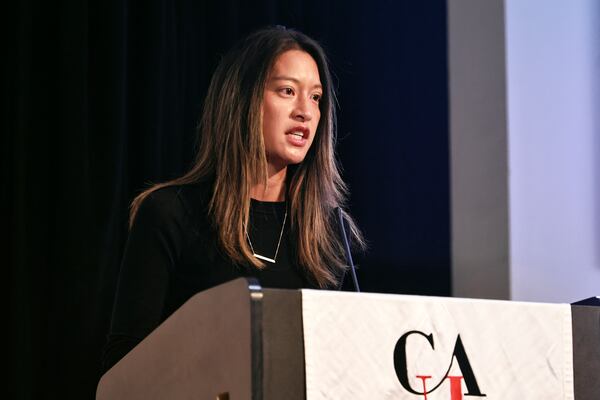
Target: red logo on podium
[459,353]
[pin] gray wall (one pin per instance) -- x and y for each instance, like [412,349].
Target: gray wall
[525,148]
[478,149]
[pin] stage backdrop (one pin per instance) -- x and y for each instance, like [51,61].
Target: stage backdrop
[103,98]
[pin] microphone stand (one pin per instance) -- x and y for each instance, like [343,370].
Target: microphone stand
[347,248]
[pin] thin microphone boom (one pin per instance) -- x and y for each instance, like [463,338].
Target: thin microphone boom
[347,248]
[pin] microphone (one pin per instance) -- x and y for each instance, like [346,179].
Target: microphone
[347,248]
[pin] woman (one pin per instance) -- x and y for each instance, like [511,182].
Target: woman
[260,199]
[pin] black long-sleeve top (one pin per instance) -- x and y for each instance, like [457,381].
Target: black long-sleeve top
[172,254]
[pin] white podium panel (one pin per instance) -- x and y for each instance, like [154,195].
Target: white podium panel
[377,346]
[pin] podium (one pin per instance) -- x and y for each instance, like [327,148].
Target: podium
[241,341]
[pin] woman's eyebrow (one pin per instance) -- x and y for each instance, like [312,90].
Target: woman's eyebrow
[289,78]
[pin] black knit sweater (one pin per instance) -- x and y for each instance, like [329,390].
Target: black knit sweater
[172,254]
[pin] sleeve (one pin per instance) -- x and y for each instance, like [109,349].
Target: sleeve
[150,254]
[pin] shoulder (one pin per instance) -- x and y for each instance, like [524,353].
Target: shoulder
[173,195]
[173,203]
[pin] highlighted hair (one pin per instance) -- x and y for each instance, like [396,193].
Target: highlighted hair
[232,156]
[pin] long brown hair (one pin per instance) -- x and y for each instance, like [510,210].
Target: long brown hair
[232,156]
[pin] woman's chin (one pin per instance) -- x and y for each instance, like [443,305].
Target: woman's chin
[292,158]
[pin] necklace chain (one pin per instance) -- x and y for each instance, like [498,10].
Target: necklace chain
[261,257]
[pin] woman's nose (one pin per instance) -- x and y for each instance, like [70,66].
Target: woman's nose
[302,110]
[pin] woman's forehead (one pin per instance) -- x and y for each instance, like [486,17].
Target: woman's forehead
[296,66]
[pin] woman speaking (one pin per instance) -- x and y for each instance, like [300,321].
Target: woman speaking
[262,198]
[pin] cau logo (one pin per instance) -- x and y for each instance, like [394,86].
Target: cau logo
[459,353]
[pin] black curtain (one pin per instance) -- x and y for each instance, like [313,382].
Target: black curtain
[102,98]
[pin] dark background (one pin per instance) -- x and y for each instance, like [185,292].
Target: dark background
[102,97]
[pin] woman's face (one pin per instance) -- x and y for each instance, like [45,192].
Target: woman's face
[290,108]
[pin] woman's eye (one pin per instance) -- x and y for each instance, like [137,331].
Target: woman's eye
[287,91]
[316,97]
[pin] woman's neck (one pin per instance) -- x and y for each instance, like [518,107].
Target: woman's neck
[275,188]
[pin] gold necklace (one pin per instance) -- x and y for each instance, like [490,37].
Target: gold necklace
[261,257]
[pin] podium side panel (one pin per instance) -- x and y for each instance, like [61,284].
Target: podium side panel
[199,352]
[586,351]
[283,345]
